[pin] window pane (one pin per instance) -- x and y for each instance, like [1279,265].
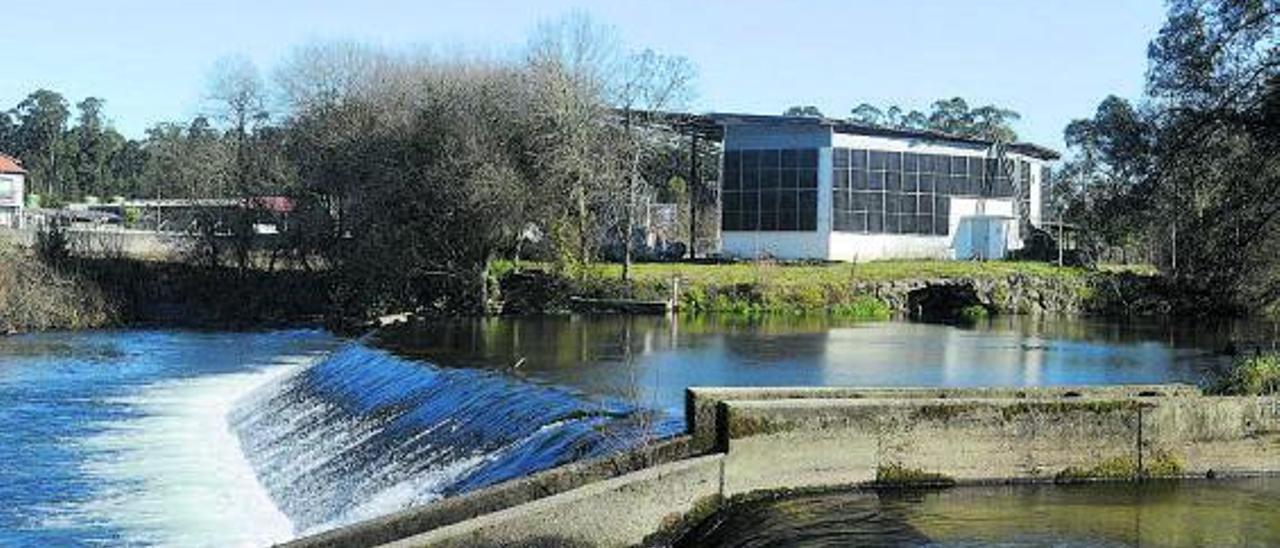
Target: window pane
[958,165]
[911,162]
[768,210]
[841,180]
[893,181]
[858,159]
[770,158]
[859,223]
[907,224]
[789,158]
[875,180]
[787,211]
[941,226]
[910,182]
[808,209]
[732,159]
[924,224]
[926,204]
[942,206]
[859,180]
[907,204]
[875,223]
[769,179]
[808,178]
[750,211]
[840,158]
[750,179]
[809,158]
[789,178]
[893,161]
[891,204]
[877,160]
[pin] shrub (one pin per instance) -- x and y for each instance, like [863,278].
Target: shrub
[1255,376]
[973,313]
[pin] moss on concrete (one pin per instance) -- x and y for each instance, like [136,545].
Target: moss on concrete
[676,525]
[897,475]
[1160,465]
[941,412]
[1100,407]
[745,426]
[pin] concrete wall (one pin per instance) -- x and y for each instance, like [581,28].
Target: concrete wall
[616,512]
[112,242]
[413,521]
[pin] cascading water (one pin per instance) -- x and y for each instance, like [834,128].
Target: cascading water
[364,432]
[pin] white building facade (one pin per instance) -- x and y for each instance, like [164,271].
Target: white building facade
[810,188]
[12,192]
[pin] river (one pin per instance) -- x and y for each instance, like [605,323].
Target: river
[188,438]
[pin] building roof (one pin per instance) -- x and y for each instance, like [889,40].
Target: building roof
[9,164]
[853,128]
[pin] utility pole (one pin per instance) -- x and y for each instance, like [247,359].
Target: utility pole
[695,186]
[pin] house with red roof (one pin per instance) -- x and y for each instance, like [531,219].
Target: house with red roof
[12,191]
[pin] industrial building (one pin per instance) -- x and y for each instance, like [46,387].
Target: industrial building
[816,188]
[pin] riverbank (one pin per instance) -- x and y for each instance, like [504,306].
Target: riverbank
[35,296]
[87,293]
[876,290]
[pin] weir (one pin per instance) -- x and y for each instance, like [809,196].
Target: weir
[747,441]
[364,433]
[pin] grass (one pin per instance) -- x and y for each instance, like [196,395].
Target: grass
[771,288]
[826,273]
[1254,376]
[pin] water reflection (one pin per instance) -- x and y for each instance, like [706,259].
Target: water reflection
[1195,513]
[653,359]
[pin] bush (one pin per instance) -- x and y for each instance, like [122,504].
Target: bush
[37,296]
[1255,376]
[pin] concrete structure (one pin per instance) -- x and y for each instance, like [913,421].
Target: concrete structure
[814,188]
[755,440]
[13,180]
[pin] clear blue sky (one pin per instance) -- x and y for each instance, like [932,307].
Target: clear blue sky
[1050,60]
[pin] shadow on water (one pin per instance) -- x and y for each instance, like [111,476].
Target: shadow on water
[1198,513]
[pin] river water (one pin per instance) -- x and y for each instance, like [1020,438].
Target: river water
[184,438]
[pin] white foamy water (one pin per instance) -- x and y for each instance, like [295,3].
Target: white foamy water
[176,475]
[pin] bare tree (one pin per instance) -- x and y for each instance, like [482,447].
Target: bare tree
[651,84]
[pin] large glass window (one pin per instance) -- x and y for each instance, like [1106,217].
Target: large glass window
[908,193]
[768,190]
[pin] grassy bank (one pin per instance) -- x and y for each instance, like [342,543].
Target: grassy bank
[35,296]
[870,291]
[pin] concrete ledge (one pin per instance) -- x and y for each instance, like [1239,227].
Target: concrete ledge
[787,444]
[618,512]
[705,422]
[491,499]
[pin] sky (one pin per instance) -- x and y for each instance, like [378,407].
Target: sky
[1050,60]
